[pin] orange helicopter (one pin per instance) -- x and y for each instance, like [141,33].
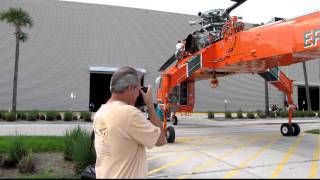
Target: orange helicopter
[224,47]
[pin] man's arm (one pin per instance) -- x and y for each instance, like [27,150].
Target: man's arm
[155,120]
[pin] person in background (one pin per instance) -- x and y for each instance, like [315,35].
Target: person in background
[179,49]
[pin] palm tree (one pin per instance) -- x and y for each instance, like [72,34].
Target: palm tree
[18,18]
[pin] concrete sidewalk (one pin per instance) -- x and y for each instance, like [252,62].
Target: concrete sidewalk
[267,121]
[221,119]
[58,128]
[40,128]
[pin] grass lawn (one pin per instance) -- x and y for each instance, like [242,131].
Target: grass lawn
[45,175]
[36,143]
[48,147]
[55,157]
[313,131]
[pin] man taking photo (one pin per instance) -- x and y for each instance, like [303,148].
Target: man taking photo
[122,132]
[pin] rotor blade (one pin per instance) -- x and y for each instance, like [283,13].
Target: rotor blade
[238,3]
[167,63]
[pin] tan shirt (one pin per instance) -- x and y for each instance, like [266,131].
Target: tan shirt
[121,134]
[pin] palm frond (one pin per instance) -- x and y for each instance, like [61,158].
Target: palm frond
[17,17]
[24,36]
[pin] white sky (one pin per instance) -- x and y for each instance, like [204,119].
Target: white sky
[252,11]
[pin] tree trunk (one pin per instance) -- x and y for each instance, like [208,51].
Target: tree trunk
[266,94]
[307,86]
[15,77]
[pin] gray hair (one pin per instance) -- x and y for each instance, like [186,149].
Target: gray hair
[123,78]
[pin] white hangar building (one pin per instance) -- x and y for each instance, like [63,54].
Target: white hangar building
[73,48]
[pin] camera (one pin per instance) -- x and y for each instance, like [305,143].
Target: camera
[139,101]
[144,89]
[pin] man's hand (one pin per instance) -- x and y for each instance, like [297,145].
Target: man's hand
[155,120]
[147,97]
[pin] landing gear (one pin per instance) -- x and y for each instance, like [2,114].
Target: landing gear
[286,129]
[296,129]
[174,120]
[170,134]
[290,130]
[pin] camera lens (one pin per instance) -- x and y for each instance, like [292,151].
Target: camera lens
[144,89]
[139,101]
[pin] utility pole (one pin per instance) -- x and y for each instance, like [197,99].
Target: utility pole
[266,95]
[225,105]
[307,86]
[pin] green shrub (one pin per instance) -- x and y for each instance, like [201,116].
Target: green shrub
[32,116]
[284,114]
[35,113]
[295,113]
[70,137]
[228,115]
[24,116]
[261,114]
[67,116]
[10,116]
[16,151]
[86,116]
[313,131]
[59,117]
[301,113]
[74,117]
[310,114]
[20,114]
[318,113]
[239,114]
[26,164]
[210,115]
[250,115]
[77,148]
[2,112]
[51,115]
[42,116]
[1,160]
[83,155]
[272,114]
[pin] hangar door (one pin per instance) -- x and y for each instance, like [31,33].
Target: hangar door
[314,97]
[99,91]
